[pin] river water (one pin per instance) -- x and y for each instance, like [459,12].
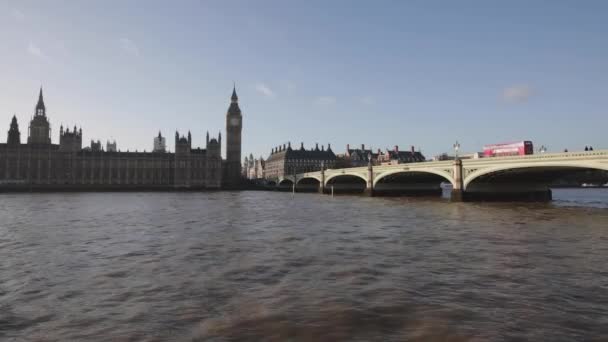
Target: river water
[269,266]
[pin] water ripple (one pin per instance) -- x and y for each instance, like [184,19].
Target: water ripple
[251,266]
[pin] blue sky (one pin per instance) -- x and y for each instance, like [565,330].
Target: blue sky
[383,73]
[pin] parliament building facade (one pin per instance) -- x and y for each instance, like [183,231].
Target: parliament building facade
[38,164]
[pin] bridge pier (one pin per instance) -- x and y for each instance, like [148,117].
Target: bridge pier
[457,194]
[369,187]
[322,183]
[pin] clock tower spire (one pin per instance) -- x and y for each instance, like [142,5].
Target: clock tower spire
[234,126]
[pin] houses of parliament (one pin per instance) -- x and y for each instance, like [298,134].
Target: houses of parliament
[37,164]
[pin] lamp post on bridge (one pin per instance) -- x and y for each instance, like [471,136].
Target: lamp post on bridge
[457,188]
[369,187]
[456,148]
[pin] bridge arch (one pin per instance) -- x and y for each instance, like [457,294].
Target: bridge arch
[308,179]
[348,182]
[417,182]
[442,175]
[285,183]
[308,184]
[540,173]
[337,175]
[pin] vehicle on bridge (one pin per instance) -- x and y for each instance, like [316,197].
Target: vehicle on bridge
[519,148]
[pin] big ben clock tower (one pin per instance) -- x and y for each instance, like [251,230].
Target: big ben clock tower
[234,126]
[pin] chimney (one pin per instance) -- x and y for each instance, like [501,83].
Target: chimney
[397,148]
[412,148]
[362,146]
[347,147]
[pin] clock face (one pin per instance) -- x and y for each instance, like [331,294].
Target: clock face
[234,121]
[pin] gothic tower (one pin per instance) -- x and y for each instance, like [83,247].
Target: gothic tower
[234,126]
[40,129]
[14,136]
[182,166]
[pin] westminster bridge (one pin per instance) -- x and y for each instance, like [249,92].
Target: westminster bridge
[503,178]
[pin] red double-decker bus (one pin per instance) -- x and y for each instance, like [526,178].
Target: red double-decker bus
[519,148]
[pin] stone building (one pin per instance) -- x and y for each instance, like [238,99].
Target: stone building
[41,165]
[284,160]
[260,168]
[111,146]
[160,144]
[395,156]
[254,168]
[355,157]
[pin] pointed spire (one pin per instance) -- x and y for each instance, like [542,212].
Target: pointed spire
[234,97]
[40,108]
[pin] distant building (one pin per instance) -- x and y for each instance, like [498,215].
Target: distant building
[260,169]
[111,146]
[395,156]
[159,144]
[354,157]
[40,164]
[284,160]
[70,141]
[254,168]
[96,146]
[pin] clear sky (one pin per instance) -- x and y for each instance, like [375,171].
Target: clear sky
[383,73]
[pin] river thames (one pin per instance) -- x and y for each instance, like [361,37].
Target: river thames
[253,266]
